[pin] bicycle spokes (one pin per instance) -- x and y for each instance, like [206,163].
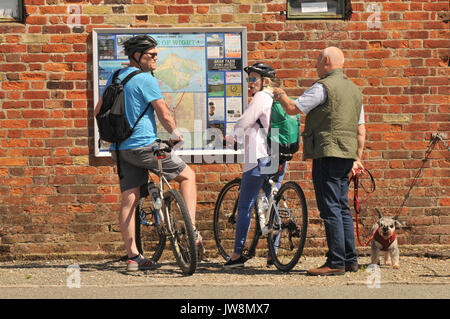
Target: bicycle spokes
[181,244]
[180,231]
[290,217]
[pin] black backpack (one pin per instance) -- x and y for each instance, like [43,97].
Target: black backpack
[112,122]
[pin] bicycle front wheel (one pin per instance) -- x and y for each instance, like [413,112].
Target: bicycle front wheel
[288,237]
[149,234]
[182,236]
[225,218]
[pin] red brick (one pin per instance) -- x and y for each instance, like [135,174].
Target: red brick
[396,6]
[395,81]
[36,95]
[12,48]
[56,48]
[395,62]
[35,58]
[57,67]
[443,6]
[40,20]
[181,9]
[436,43]
[395,44]
[15,85]
[415,16]
[54,10]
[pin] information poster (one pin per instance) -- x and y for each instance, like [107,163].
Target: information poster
[199,72]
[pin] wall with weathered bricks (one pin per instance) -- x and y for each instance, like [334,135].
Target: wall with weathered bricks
[56,197]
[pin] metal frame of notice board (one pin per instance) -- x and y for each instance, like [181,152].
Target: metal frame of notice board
[200,74]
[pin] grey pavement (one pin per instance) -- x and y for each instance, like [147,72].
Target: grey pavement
[418,278]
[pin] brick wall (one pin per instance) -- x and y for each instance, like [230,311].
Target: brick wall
[57,198]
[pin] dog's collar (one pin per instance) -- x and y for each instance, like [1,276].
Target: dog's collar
[385,242]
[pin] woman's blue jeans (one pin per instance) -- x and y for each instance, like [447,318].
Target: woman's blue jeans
[330,177]
[252,181]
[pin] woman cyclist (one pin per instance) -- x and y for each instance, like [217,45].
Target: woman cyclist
[257,160]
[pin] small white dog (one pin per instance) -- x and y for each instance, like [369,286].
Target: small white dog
[384,239]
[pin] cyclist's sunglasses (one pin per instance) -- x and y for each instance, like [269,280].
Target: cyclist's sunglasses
[254,79]
[153,55]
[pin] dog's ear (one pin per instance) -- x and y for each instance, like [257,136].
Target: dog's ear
[379,213]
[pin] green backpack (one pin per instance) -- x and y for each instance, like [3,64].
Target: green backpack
[288,137]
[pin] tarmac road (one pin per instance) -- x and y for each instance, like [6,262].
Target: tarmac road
[386,291]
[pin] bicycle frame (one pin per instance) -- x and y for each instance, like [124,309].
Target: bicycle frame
[163,212]
[277,215]
[262,233]
[273,193]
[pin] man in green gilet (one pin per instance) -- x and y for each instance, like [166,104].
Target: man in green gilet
[333,138]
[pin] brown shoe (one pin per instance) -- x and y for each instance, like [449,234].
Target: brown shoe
[325,271]
[352,268]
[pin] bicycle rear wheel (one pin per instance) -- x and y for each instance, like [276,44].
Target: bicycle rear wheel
[291,226]
[182,235]
[149,234]
[224,221]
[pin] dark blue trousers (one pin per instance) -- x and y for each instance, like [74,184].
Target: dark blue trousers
[330,177]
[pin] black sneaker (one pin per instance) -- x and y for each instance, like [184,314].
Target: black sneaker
[238,263]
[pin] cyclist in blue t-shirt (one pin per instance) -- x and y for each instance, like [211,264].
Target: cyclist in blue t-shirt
[136,155]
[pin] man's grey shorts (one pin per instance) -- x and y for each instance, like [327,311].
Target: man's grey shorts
[135,163]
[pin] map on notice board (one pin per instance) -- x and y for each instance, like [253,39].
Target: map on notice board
[200,74]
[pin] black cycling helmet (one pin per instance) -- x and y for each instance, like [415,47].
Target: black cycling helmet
[138,43]
[262,69]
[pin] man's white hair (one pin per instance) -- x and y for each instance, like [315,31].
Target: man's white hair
[335,55]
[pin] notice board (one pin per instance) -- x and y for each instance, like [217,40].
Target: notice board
[200,74]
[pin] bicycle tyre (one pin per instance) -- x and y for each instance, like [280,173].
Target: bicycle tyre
[224,220]
[150,239]
[294,223]
[183,239]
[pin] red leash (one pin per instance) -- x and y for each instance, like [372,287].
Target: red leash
[357,203]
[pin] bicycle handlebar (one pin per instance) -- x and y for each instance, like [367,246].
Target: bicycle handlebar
[158,150]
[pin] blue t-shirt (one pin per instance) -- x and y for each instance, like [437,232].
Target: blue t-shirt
[139,92]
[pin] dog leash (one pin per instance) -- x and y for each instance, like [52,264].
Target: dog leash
[357,203]
[435,138]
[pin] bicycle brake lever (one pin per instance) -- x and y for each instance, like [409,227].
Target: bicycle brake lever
[177,145]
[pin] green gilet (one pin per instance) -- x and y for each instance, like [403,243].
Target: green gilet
[331,128]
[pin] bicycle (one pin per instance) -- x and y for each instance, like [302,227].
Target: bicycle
[285,228]
[165,215]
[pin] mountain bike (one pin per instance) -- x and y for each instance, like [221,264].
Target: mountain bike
[286,214]
[163,214]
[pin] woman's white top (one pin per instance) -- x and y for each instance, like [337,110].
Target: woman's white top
[260,107]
